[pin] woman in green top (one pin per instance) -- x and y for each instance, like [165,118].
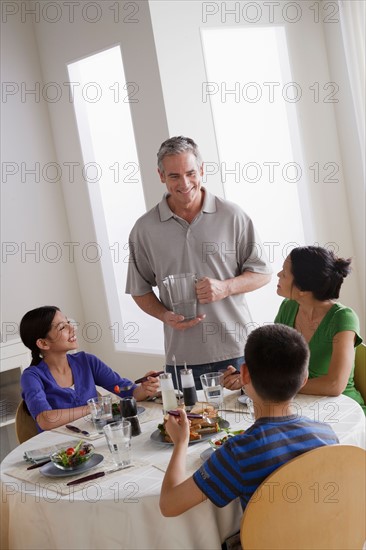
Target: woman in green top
[310,281]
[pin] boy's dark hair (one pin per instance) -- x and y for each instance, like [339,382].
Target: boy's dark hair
[277,358]
[34,325]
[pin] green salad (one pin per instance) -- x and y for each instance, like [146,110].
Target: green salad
[218,442]
[73,456]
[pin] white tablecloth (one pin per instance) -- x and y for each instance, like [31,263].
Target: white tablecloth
[121,510]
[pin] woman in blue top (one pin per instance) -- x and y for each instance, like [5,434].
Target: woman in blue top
[57,385]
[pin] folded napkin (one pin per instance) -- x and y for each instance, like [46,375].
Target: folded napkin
[35,456]
[153,411]
[231,402]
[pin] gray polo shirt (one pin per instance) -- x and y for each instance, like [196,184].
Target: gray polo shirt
[220,243]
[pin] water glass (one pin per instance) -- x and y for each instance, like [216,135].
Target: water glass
[118,436]
[101,411]
[213,388]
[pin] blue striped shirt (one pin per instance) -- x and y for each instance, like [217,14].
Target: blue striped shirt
[244,461]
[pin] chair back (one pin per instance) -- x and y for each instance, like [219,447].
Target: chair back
[360,370]
[315,501]
[25,425]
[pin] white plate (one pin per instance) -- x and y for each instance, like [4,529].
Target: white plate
[157,437]
[244,399]
[50,470]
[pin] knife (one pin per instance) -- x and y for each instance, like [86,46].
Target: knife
[97,475]
[39,464]
[76,429]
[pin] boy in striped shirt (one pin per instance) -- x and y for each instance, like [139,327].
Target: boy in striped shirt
[275,368]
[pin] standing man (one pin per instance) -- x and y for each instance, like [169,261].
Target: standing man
[193,231]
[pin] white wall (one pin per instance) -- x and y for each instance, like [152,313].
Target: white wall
[32,213]
[82,199]
[42,132]
[328,131]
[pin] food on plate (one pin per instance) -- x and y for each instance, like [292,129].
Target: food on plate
[209,424]
[218,442]
[72,457]
[204,408]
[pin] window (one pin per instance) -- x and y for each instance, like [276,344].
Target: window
[101,99]
[249,82]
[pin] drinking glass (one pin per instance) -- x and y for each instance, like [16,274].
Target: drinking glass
[212,386]
[118,436]
[101,411]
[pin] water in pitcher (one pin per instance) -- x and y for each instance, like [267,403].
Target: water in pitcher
[182,293]
[188,309]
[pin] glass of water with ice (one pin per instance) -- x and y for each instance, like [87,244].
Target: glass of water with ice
[118,436]
[212,384]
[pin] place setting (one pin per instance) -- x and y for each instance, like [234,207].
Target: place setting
[73,463]
[204,416]
[102,410]
[207,424]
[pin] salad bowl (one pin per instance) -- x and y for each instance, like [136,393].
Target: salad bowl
[73,457]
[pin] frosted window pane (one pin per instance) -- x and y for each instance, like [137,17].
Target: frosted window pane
[108,144]
[248,78]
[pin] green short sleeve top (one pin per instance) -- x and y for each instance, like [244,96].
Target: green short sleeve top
[337,319]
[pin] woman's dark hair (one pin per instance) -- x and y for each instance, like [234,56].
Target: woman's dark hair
[36,324]
[318,270]
[277,357]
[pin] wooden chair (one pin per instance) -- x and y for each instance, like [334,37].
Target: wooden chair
[25,425]
[315,501]
[360,370]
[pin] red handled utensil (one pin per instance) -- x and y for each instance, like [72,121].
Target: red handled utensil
[76,429]
[98,474]
[144,378]
[34,466]
[189,415]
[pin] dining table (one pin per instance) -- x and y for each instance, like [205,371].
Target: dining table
[121,509]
